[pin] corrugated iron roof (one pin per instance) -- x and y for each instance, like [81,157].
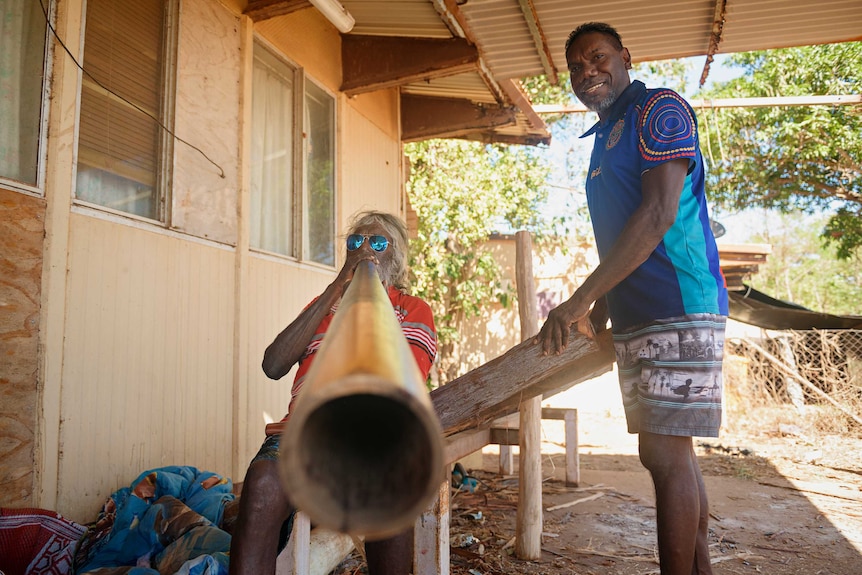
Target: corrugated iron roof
[656,30]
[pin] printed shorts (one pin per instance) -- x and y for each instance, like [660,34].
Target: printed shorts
[269,448]
[670,375]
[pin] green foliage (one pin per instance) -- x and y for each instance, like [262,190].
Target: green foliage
[802,270]
[800,158]
[462,192]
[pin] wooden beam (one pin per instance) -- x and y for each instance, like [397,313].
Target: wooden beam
[496,388]
[528,9]
[489,137]
[425,117]
[516,95]
[715,37]
[774,101]
[375,62]
[259,10]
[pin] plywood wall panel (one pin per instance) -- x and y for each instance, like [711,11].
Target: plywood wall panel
[205,186]
[22,227]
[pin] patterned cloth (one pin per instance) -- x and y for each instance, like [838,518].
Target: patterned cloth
[167,518]
[37,542]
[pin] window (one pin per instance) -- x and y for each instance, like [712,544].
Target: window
[320,175]
[123,153]
[293,162]
[22,62]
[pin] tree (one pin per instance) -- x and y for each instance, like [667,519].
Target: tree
[462,192]
[802,270]
[801,158]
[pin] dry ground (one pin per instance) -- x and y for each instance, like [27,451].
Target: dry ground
[785,498]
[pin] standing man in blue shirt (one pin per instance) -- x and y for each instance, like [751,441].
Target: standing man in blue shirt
[658,279]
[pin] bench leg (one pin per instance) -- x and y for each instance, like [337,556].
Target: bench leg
[431,543]
[573,466]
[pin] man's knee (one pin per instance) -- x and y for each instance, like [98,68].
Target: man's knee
[262,489]
[663,454]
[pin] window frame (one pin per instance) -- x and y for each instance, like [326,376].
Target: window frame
[299,225]
[163,176]
[38,190]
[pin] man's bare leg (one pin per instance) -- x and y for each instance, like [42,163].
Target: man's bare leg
[263,508]
[702,564]
[681,504]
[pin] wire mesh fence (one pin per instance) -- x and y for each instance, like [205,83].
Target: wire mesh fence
[805,367]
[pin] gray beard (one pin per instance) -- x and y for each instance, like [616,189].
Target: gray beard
[386,271]
[603,105]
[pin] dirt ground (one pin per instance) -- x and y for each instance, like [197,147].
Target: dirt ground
[785,499]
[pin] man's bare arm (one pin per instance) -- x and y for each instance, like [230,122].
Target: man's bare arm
[661,189]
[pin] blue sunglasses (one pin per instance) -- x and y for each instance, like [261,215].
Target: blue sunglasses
[377,243]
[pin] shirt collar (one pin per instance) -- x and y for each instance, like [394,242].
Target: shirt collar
[618,109]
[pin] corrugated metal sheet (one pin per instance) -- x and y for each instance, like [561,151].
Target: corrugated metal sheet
[468,86]
[656,30]
[410,18]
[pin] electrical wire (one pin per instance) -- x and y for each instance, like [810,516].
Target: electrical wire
[127,101]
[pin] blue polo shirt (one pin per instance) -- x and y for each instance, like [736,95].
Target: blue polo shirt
[645,128]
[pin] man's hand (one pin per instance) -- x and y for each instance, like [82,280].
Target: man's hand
[349,268]
[554,335]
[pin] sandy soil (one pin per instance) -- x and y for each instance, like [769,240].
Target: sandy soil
[784,500]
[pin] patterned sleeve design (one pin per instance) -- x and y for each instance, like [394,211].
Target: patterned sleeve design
[667,129]
[417,323]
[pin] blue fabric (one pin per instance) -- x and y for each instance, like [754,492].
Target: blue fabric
[134,539]
[682,276]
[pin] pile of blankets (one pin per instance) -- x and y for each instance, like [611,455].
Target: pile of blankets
[169,521]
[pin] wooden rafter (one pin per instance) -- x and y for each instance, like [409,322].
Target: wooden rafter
[774,101]
[259,10]
[425,117]
[454,19]
[715,36]
[516,95]
[374,62]
[538,35]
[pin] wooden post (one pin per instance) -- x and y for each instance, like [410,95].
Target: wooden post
[528,528]
[431,543]
[507,463]
[573,464]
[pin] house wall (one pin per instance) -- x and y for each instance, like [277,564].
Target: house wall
[138,345]
[22,226]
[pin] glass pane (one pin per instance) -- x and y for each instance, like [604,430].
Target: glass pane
[272,137]
[118,143]
[22,53]
[320,176]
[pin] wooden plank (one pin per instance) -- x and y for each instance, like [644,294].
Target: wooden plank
[372,63]
[504,436]
[464,443]
[496,388]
